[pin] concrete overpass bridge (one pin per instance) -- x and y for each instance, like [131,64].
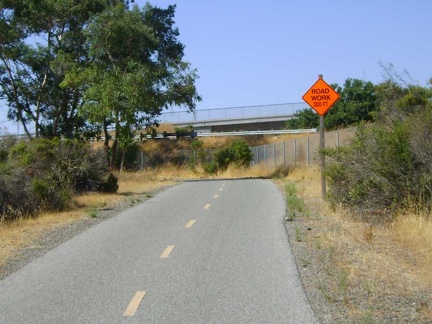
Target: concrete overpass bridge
[247,118]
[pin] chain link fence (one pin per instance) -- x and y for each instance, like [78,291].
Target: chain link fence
[298,151]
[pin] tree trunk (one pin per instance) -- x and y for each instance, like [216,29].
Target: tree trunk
[113,154]
[106,141]
[115,143]
[122,159]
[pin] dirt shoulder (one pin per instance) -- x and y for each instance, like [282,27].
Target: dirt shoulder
[354,272]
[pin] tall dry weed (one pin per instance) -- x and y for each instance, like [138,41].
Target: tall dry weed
[381,262]
[413,233]
[308,180]
[259,171]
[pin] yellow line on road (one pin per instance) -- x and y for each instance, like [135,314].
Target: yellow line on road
[134,304]
[167,251]
[191,222]
[207,206]
[216,196]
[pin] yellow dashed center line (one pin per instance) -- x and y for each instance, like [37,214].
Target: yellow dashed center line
[134,304]
[167,251]
[191,222]
[207,206]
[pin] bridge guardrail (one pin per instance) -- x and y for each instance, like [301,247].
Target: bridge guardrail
[245,112]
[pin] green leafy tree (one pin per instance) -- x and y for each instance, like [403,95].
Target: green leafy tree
[303,119]
[137,70]
[357,103]
[41,40]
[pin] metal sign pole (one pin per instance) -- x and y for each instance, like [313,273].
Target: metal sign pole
[321,97]
[322,146]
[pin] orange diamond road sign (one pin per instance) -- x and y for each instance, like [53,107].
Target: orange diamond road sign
[321,97]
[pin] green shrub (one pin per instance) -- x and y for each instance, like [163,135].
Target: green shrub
[17,199]
[240,154]
[3,155]
[222,158]
[237,154]
[210,167]
[384,168]
[45,173]
[290,189]
[110,185]
[41,189]
[92,212]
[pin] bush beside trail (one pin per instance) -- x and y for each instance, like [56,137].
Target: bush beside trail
[237,154]
[387,166]
[43,174]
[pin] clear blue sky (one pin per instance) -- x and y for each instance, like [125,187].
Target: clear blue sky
[263,52]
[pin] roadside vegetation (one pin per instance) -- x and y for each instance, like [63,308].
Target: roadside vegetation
[369,242]
[355,271]
[386,168]
[108,69]
[237,154]
[43,175]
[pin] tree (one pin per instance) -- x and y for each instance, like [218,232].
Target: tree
[357,103]
[137,70]
[12,71]
[41,40]
[303,119]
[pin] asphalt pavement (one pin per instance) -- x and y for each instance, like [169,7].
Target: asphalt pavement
[202,252]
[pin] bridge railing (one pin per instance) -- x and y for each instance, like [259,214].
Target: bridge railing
[244,112]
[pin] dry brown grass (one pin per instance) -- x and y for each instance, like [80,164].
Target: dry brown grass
[22,232]
[259,171]
[413,235]
[377,267]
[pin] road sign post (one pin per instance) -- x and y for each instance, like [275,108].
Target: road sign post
[321,98]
